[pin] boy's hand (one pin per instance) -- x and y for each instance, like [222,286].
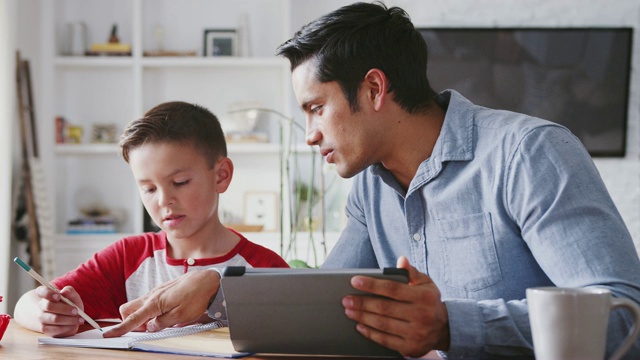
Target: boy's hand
[179,301]
[57,318]
[413,321]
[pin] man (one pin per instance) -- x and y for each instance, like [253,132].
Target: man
[483,203]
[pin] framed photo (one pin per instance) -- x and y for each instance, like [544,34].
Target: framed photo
[104,133]
[261,208]
[220,42]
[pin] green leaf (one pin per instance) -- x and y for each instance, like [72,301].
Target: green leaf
[295,263]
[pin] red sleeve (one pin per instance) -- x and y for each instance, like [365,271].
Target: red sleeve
[100,281]
[259,256]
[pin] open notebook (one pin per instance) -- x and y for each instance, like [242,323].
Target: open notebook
[201,340]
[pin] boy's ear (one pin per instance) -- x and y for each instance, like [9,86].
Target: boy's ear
[224,172]
[375,84]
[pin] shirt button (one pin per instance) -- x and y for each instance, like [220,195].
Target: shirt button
[217,315]
[191,261]
[416,237]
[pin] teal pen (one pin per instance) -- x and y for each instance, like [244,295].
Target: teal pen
[44,282]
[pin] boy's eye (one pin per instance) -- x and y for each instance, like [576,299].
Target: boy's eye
[316,109]
[148,190]
[180,183]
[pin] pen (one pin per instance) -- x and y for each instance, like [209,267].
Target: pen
[44,282]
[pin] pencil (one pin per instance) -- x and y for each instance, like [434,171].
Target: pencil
[44,282]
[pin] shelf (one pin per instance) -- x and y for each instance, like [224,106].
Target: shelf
[93,61]
[231,61]
[263,148]
[88,240]
[169,61]
[91,90]
[233,148]
[77,245]
[86,149]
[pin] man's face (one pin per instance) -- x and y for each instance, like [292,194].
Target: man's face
[344,138]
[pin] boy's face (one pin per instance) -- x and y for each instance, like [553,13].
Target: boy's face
[345,138]
[179,189]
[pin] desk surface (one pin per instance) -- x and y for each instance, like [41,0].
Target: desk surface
[19,343]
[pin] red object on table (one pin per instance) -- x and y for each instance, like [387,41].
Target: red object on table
[4,321]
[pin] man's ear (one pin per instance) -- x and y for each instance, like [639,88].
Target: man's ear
[375,84]
[224,174]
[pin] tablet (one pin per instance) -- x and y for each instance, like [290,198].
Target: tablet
[297,311]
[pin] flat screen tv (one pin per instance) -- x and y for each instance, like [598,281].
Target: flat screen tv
[577,77]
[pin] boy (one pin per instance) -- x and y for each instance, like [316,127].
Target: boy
[177,154]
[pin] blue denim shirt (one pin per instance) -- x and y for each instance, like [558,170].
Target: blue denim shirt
[505,202]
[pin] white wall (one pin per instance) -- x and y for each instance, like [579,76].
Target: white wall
[7,119]
[19,30]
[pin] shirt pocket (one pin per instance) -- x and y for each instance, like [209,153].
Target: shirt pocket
[470,258]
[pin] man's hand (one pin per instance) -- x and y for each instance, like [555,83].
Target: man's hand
[58,319]
[176,302]
[412,321]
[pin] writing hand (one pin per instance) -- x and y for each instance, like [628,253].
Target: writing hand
[57,318]
[176,302]
[412,319]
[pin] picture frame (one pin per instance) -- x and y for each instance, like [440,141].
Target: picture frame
[220,42]
[261,208]
[104,134]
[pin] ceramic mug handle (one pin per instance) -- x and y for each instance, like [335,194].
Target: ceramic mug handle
[635,330]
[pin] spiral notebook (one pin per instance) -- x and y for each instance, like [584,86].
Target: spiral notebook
[202,340]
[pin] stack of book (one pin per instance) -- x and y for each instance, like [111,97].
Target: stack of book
[96,225]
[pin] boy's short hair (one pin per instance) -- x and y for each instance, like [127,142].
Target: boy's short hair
[177,122]
[346,43]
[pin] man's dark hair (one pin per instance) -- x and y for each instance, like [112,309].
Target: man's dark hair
[177,122]
[346,43]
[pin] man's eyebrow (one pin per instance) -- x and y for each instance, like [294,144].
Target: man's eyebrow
[305,105]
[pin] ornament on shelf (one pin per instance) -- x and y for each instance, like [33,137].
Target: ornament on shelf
[112,47]
[74,134]
[103,134]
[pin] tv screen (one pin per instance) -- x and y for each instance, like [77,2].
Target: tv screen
[577,77]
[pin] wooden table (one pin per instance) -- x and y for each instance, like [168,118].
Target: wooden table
[19,343]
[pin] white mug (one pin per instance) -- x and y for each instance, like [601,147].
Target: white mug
[571,323]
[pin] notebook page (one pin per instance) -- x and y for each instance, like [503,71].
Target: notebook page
[215,343]
[93,338]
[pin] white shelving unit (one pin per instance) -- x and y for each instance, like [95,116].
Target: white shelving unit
[88,90]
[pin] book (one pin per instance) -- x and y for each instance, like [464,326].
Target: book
[92,225]
[210,339]
[111,48]
[61,130]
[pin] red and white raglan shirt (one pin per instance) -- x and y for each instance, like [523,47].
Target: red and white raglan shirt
[132,266]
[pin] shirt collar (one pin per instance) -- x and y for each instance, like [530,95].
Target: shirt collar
[455,142]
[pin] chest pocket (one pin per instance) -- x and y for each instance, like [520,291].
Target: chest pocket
[470,258]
